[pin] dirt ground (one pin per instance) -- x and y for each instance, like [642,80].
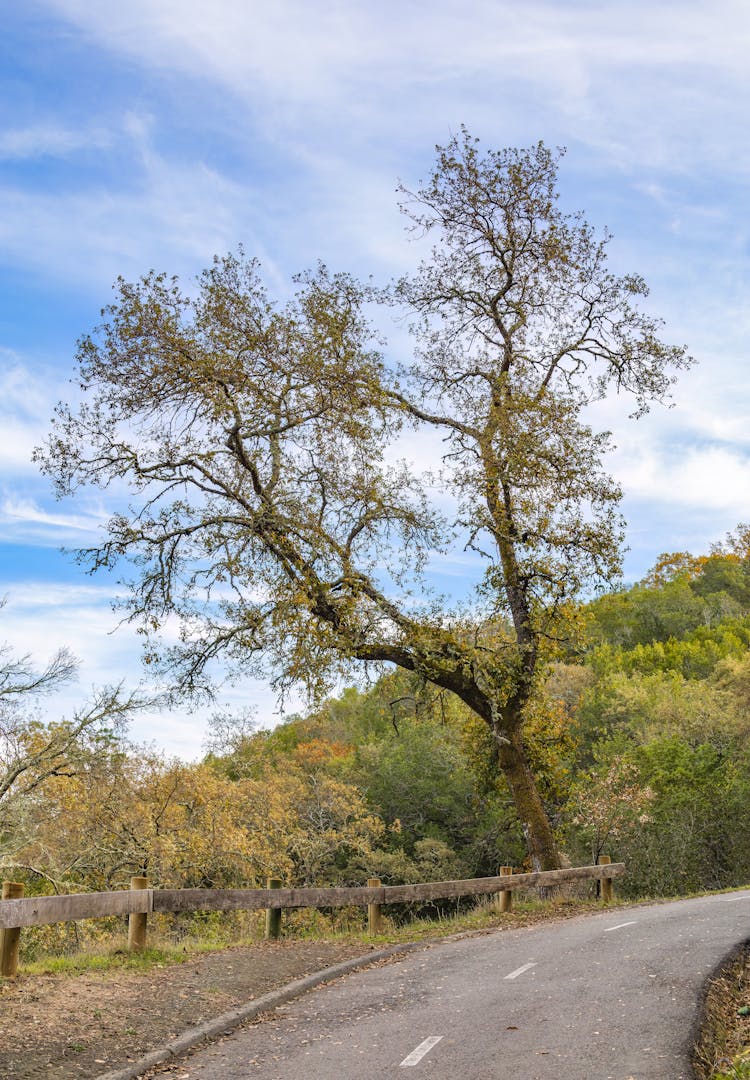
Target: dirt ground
[84,1025]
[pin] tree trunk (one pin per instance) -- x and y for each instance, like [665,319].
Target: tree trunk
[537,830]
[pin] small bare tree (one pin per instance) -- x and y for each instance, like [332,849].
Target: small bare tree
[34,749]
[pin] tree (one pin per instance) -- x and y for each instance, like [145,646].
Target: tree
[607,801]
[191,826]
[257,440]
[35,752]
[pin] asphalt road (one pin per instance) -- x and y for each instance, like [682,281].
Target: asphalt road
[611,996]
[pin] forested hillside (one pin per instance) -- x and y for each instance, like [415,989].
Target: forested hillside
[640,740]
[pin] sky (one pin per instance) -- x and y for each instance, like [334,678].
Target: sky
[145,135]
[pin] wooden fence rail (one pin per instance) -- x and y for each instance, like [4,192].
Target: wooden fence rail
[43,910]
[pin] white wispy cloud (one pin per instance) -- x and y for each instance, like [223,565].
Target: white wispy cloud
[26,401]
[48,140]
[92,236]
[20,389]
[19,437]
[709,478]
[27,512]
[644,92]
[437,60]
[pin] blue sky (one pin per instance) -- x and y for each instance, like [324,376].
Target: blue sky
[146,134]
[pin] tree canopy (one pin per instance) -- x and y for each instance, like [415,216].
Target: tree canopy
[259,442]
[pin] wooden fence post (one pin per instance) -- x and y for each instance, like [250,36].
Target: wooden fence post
[374,920]
[273,915]
[505,896]
[137,920]
[608,892]
[9,939]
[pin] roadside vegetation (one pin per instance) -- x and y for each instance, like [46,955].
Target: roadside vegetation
[170,944]
[723,1047]
[639,740]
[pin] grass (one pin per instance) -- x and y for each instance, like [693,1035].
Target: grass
[722,1047]
[345,926]
[482,917]
[738,1069]
[104,958]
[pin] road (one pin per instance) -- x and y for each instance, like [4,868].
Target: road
[610,996]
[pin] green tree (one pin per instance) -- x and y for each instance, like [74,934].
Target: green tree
[642,615]
[257,440]
[692,840]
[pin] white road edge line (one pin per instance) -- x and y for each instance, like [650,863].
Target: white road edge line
[520,971]
[416,1055]
[620,926]
[733,899]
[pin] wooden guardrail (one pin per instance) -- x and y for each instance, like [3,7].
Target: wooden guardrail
[140,901]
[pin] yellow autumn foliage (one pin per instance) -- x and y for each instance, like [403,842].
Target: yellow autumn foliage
[186,825]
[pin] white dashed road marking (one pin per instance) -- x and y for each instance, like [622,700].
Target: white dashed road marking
[416,1056]
[620,925]
[731,899]
[520,971]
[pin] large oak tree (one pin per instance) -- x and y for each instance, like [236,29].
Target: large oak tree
[259,440]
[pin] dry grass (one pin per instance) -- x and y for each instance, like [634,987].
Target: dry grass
[723,1045]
